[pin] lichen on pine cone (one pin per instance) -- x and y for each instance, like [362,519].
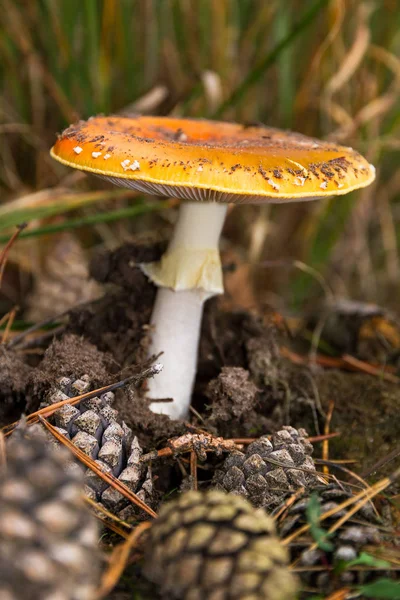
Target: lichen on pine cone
[48,538]
[269,469]
[216,546]
[94,427]
[346,542]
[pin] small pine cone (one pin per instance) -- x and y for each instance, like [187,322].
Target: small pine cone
[256,475]
[48,538]
[348,541]
[216,546]
[63,282]
[92,425]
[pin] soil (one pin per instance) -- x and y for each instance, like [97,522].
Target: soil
[245,387]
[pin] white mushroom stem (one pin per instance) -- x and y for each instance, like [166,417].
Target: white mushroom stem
[188,274]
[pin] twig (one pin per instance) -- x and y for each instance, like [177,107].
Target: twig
[16,339]
[193,469]
[192,442]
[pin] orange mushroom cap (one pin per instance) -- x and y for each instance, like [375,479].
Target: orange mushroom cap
[211,161]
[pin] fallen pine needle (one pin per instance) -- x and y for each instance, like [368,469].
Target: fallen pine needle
[358,500]
[91,464]
[118,560]
[325,443]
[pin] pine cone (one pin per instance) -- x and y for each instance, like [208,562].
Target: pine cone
[92,425]
[48,539]
[347,542]
[256,474]
[63,282]
[216,546]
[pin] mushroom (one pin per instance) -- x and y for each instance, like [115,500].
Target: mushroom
[208,165]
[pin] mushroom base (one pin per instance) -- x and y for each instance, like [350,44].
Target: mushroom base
[176,321]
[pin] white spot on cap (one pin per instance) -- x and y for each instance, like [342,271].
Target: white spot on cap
[135,166]
[340,185]
[78,149]
[273,184]
[126,165]
[106,156]
[299,181]
[96,154]
[315,145]
[324,185]
[199,169]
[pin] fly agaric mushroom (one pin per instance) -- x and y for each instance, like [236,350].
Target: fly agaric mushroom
[208,165]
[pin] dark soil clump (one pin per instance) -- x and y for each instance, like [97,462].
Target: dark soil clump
[14,377]
[71,356]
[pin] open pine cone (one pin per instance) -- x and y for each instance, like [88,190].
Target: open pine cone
[216,546]
[92,425]
[269,470]
[346,543]
[48,538]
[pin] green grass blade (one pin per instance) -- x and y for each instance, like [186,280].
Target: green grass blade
[254,76]
[105,217]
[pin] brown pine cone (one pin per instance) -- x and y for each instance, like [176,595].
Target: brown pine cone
[92,425]
[216,546]
[48,538]
[256,474]
[347,542]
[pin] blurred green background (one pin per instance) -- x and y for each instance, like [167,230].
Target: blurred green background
[327,68]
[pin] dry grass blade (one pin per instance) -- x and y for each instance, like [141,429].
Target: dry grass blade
[3,455]
[118,560]
[5,252]
[92,465]
[325,443]
[382,462]
[112,526]
[289,502]
[113,521]
[356,502]
[47,411]
[10,321]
